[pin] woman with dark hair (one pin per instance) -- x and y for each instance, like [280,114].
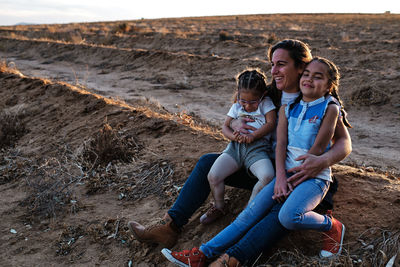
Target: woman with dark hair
[288,59]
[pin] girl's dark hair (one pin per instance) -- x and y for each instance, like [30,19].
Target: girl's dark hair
[299,51]
[333,79]
[253,80]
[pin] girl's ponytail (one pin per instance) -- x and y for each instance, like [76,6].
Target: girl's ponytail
[335,94]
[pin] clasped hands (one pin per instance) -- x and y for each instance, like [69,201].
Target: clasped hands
[246,138]
[241,130]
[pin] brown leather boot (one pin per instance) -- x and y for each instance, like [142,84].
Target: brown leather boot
[164,232]
[225,261]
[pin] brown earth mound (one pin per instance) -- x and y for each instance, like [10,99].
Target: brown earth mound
[75,166]
[69,209]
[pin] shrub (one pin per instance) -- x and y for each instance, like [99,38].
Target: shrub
[224,36]
[11,128]
[122,28]
[109,145]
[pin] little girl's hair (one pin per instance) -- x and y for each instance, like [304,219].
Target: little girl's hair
[333,79]
[253,80]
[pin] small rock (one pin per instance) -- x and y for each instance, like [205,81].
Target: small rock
[369,169]
[369,247]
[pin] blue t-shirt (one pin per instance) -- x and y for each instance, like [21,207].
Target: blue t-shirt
[304,122]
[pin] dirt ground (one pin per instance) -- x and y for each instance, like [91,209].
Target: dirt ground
[102,122]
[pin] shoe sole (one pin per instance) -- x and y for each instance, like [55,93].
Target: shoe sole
[340,247]
[167,253]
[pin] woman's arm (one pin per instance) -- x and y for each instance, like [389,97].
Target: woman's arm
[312,164]
[227,131]
[281,186]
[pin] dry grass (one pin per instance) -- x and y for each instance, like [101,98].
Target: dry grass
[369,95]
[374,247]
[12,166]
[121,28]
[108,145]
[108,161]
[149,178]
[50,186]
[67,240]
[101,232]
[12,128]
[9,67]
[51,181]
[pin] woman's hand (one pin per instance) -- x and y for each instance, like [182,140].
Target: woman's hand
[311,166]
[240,125]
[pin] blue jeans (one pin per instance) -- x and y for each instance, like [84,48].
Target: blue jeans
[261,237]
[295,213]
[196,189]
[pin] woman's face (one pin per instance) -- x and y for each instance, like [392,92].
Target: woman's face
[284,72]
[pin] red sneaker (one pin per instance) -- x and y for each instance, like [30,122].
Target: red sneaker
[186,258]
[211,215]
[333,240]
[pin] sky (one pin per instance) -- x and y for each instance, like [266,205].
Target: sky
[65,11]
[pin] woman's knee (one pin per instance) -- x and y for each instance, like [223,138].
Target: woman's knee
[206,161]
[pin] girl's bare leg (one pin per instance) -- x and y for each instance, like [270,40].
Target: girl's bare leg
[224,166]
[264,171]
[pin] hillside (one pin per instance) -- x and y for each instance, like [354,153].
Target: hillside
[107,120]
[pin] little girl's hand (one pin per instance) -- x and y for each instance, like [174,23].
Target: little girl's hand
[236,135]
[249,138]
[281,190]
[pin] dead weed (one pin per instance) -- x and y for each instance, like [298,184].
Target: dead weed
[50,185]
[374,247]
[108,145]
[12,128]
[369,95]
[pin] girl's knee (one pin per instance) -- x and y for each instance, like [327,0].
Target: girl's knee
[289,220]
[267,176]
[213,179]
[263,181]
